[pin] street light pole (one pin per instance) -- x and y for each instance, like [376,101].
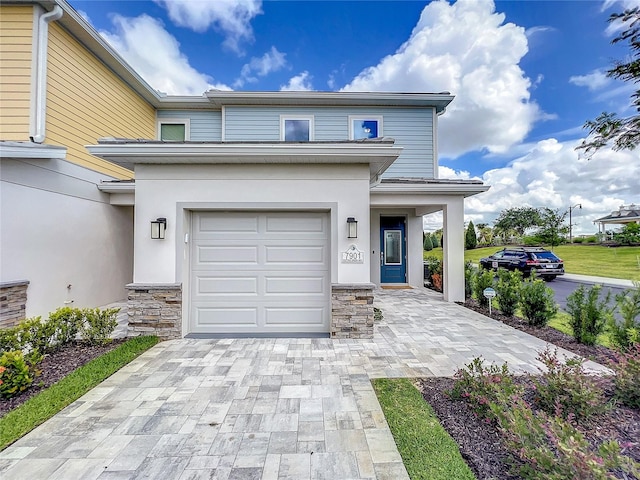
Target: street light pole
[579,205]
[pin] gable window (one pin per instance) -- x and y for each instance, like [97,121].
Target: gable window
[296,129]
[365,127]
[173,130]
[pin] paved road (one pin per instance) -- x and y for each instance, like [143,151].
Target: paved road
[563,287]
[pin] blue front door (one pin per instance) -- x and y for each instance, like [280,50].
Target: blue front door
[393,250]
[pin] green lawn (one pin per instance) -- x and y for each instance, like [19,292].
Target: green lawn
[427,450]
[618,262]
[47,403]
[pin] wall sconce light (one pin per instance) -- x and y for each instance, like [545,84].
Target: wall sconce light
[352,223]
[158,228]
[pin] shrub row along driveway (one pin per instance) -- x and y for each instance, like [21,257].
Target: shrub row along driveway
[264,408]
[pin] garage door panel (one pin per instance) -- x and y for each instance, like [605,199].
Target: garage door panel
[226,254]
[295,317]
[228,223]
[289,285]
[222,286]
[295,254]
[295,225]
[226,316]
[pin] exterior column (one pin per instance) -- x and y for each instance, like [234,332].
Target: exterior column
[453,250]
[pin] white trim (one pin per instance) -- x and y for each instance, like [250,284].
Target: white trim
[223,125]
[174,121]
[309,118]
[377,118]
[31,150]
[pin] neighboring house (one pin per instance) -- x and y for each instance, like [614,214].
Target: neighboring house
[277,212]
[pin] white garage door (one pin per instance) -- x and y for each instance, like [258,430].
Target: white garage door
[259,273]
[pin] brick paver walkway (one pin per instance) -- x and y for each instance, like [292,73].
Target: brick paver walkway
[263,408]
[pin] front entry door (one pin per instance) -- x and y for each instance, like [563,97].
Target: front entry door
[393,250]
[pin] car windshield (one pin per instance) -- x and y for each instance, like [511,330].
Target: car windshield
[546,256]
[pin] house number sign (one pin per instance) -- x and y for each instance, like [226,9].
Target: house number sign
[353,255]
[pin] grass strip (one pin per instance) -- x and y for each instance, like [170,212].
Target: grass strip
[47,403]
[427,450]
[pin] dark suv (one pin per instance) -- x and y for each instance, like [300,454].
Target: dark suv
[526,259]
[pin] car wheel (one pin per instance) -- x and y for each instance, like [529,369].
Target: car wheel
[548,278]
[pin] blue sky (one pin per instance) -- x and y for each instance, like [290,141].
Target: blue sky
[526,75]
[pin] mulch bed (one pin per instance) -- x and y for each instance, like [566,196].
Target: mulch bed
[480,443]
[56,366]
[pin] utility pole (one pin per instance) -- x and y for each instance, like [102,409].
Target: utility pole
[579,205]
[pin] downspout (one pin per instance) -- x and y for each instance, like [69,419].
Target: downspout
[39,99]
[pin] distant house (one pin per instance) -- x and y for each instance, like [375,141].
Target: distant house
[625,214]
[257,213]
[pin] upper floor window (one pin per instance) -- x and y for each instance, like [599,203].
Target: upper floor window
[173,130]
[365,127]
[296,129]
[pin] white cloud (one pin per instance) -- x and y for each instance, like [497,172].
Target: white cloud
[465,48]
[230,17]
[551,174]
[271,61]
[155,54]
[300,82]
[593,81]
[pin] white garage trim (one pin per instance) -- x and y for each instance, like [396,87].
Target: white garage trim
[259,273]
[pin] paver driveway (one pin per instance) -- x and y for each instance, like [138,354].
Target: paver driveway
[263,408]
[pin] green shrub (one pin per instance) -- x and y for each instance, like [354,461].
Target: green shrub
[578,240]
[592,239]
[480,386]
[426,243]
[469,273]
[536,302]
[508,290]
[9,339]
[17,375]
[565,389]
[41,334]
[627,379]
[588,315]
[624,335]
[68,321]
[532,241]
[482,279]
[434,265]
[553,448]
[98,325]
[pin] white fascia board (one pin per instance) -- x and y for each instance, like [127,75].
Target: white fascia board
[464,189]
[31,150]
[115,187]
[379,157]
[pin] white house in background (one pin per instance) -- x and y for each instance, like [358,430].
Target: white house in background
[284,209]
[279,211]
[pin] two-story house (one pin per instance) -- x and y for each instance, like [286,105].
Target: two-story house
[260,213]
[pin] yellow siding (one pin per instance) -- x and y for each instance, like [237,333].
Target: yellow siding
[16,33]
[86,101]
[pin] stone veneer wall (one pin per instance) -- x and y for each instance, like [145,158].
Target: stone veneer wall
[13,302]
[352,310]
[155,309]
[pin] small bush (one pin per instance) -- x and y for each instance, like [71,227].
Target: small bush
[627,379]
[591,239]
[68,321]
[41,334]
[624,335]
[552,448]
[483,279]
[588,315]
[17,375]
[469,273]
[8,339]
[480,386]
[536,302]
[508,290]
[578,240]
[99,325]
[565,389]
[532,241]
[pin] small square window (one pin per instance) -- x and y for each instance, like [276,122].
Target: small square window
[170,130]
[296,129]
[365,127]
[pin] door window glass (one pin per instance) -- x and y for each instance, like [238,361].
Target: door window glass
[393,247]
